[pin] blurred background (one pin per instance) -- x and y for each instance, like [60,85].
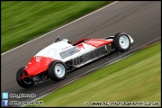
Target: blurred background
[136,78]
[25,20]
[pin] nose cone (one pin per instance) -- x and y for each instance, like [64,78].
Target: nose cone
[37,65]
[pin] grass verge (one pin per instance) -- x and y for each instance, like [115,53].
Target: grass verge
[24,20]
[133,79]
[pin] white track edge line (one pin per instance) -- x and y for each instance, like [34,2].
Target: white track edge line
[77,77]
[94,69]
[59,28]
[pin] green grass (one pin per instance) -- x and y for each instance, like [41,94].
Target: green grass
[133,79]
[25,20]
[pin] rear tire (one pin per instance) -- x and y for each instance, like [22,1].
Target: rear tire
[26,82]
[121,42]
[57,70]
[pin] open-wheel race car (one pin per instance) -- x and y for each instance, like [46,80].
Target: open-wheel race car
[59,58]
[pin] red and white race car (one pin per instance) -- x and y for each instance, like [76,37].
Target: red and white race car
[59,58]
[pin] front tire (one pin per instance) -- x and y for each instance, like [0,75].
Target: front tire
[57,70]
[26,82]
[121,42]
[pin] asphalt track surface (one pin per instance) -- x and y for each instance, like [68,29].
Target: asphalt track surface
[140,19]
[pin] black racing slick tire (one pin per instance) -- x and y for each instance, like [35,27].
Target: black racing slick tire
[122,42]
[57,70]
[26,82]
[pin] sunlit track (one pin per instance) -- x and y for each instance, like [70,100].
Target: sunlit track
[142,20]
